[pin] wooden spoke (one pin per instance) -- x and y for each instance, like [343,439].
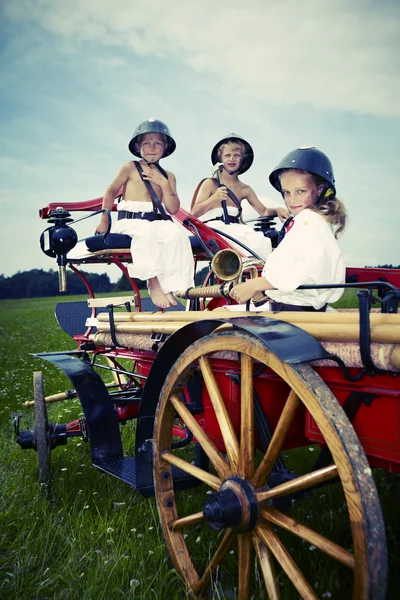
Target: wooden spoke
[268,537]
[248,503]
[265,560]
[215,457]
[307,534]
[246,457]
[216,560]
[221,413]
[300,483]
[278,438]
[245,560]
[191,469]
[187,521]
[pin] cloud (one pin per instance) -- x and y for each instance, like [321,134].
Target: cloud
[111,63]
[330,55]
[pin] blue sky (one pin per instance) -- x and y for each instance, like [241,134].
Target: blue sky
[76,78]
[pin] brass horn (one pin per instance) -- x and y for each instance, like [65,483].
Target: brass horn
[228,265]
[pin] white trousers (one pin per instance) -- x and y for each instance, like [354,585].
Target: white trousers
[159,249]
[255,240]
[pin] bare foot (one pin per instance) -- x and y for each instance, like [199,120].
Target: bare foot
[157,296]
[171,299]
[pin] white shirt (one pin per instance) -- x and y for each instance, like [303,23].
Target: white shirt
[308,254]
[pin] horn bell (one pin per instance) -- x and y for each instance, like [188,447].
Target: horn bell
[227,264]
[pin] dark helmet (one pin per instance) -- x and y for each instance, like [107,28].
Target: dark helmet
[307,158]
[152,125]
[248,157]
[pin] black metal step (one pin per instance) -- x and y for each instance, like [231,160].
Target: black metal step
[125,470]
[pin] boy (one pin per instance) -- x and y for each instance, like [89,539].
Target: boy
[161,252]
[235,156]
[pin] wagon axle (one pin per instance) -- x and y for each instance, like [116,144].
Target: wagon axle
[234,506]
[56,435]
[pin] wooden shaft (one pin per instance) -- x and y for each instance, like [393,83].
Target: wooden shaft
[324,332]
[290,317]
[62,396]
[219,290]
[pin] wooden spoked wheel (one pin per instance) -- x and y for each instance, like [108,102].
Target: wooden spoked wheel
[43,444]
[236,523]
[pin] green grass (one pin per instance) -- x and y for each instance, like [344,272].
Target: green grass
[95,537]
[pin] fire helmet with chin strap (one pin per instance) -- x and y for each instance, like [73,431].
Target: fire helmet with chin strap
[312,160]
[247,158]
[152,125]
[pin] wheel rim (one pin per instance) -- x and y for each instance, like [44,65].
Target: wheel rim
[41,429]
[261,538]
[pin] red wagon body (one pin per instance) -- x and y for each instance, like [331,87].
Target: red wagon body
[221,402]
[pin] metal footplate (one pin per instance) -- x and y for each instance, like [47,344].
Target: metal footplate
[125,470]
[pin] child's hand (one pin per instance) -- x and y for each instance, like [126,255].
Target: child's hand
[282,213]
[244,291]
[152,174]
[102,227]
[219,195]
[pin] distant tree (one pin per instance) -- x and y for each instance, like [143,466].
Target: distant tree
[123,285]
[382,267]
[38,283]
[201,275]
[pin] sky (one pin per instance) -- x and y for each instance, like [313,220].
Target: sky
[77,78]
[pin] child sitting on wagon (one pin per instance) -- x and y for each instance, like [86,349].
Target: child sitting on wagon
[161,251]
[217,200]
[309,253]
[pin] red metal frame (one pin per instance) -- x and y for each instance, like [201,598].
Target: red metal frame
[377,425]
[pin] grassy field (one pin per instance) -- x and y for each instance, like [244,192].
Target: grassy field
[95,538]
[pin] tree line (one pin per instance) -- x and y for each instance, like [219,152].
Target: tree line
[38,283]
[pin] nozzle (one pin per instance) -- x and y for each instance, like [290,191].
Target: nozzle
[62,278]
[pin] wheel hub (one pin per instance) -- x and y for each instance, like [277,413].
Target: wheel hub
[234,506]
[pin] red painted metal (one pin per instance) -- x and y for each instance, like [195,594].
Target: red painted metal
[360,274]
[377,425]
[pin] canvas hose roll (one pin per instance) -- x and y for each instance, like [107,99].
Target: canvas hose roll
[342,332]
[334,318]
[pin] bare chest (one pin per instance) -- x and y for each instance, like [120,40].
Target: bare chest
[135,189]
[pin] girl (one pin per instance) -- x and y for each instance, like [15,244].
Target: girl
[309,253]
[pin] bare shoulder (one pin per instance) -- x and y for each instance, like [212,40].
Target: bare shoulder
[209,184]
[129,167]
[170,175]
[246,191]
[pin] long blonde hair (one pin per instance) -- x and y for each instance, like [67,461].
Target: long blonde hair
[329,206]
